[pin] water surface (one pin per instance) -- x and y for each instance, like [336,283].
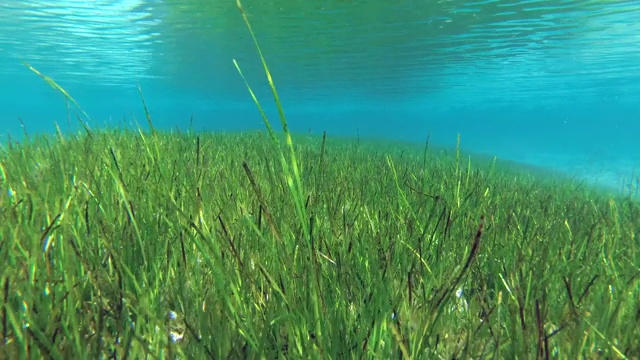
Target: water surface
[552,83]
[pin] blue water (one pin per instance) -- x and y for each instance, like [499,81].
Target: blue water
[547,83]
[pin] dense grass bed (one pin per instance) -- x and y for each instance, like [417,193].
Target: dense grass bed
[119,244]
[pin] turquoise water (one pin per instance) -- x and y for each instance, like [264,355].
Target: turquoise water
[548,83]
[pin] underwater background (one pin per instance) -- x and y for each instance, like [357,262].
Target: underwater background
[546,83]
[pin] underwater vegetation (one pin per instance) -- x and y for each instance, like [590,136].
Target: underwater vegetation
[149,244]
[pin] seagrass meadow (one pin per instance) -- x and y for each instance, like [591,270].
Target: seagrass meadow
[132,243]
[128,244]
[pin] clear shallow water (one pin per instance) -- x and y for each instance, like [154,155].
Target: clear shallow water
[551,83]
